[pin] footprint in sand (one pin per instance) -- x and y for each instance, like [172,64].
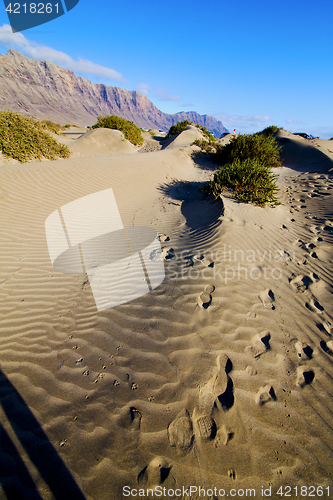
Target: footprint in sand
[155,473]
[130,418]
[204,425]
[250,370]
[264,395]
[260,344]
[310,246]
[328,327]
[163,237]
[218,392]
[304,376]
[232,474]
[314,306]
[180,432]
[203,259]
[168,253]
[327,346]
[300,283]
[205,298]
[267,298]
[223,436]
[304,351]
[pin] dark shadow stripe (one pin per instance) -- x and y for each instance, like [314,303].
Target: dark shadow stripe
[15,478]
[37,445]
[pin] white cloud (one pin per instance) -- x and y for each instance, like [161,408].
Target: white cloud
[245,123]
[167,97]
[43,52]
[143,88]
[242,119]
[297,122]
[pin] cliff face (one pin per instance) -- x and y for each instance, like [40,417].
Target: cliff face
[48,91]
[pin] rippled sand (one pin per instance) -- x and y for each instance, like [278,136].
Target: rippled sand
[220,377]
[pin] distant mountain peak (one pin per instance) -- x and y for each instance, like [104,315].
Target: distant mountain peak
[49,91]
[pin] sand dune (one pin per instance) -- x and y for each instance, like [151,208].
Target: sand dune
[190,134]
[100,142]
[220,377]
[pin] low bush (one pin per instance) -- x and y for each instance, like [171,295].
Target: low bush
[206,146]
[24,139]
[256,146]
[128,128]
[51,126]
[269,131]
[249,179]
[178,128]
[205,132]
[68,125]
[181,126]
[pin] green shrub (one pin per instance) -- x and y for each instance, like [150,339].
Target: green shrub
[181,126]
[128,128]
[256,146]
[51,126]
[269,131]
[206,146]
[205,132]
[249,179]
[178,128]
[24,139]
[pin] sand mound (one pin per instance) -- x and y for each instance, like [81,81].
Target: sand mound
[309,155]
[156,133]
[185,138]
[100,142]
[219,377]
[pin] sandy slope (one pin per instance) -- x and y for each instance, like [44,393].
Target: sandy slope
[220,377]
[100,142]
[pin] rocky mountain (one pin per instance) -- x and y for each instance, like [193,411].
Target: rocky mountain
[48,91]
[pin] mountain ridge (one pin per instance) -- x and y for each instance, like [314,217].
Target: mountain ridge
[48,91]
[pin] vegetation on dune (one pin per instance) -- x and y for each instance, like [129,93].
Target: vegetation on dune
[68,125]
[181,126]
[257,146]
[128,128]
[269,131]
[51,126]
[249,179]
[177,128]
[24,139]
[205,132]
[206,146]
[247,168]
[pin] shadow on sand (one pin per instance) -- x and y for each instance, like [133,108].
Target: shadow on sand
[200,211]
[15,478]
[303,157]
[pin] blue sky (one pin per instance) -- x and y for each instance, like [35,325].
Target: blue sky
[248,63]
